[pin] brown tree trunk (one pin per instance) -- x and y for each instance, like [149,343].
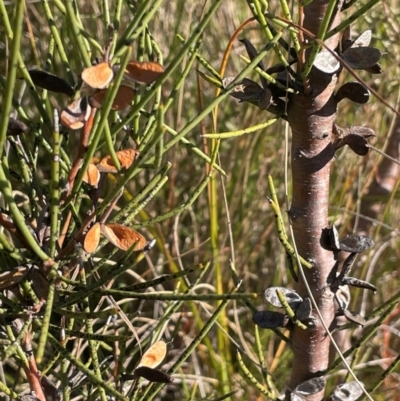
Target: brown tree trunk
[311,117]
[385,180]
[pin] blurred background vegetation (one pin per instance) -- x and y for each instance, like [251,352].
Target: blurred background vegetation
[233,226]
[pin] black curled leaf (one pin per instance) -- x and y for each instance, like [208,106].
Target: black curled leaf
[360,58]
[355,282]
[353,91]
[346,44]
[363,41]
[50,390]
[153,375]
[278,91]
[357,144]
[16,127]
[304,312]
[265,99]
[293,299]
[246,90]
[51,82]
[270,319]
[253,53]
[365,132]
[356,243]
[375,69]
[346,392]
[347,265]
[354,317]
[354,137]
[309,387]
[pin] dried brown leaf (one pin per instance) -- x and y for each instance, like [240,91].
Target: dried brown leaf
[125,157]
[98,76]
[76,114]
[123,237]
[154,355]
[144,72]
[92,175]
[11,277]
[122,100]
[92,239]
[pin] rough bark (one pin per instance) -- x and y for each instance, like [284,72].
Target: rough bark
[311,117]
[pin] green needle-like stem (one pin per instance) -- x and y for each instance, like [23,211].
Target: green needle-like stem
[16,214]
[15,37]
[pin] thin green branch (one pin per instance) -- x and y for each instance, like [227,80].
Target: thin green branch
[354,17]
[15,37]
[329,13]
[18,218]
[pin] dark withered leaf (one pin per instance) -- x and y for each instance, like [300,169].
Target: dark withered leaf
[361,57]
[354,137]
[347,264]
[350,391]
[303,312]
[51,392]
[346,35]
[265,99]
[270,319]
[16,127]
[51,82]
[354,317]
[293,299]
[346,44]
[40,284]
[375,69]
[246,90]
[277,68]
[9,278]
[252,52]
[365,132]
[353,91]
[357,144]
[355,282]
[309,387]
[153,375]
[333,274]
[356,243]
[277,91]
